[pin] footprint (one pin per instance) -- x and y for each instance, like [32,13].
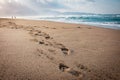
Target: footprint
[65,51]
[60,46]
[41,42]
[47,37]
[37,34]
[65,68]
[35,26]
[75,73]
[78,27]
[50,57]
[82,67]
[40,52]
[4,25]
[35,40]
[40,33]
[89,28]
[52,51]
[10,22]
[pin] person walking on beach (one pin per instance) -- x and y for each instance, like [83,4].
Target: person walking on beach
[13,17]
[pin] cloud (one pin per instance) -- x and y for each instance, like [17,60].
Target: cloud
[39,7]
[35,7]
[52,7]
[14,8]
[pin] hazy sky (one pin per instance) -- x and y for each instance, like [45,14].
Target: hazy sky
[52,7]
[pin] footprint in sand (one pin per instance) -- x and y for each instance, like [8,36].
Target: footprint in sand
[47,36]
[65,68]
[82,67]
[89,28]
[41,42]
[35,40]
[65,50]
[12,23]
[40,33]
[60,46]
[52,51]
[78,27]
[45,27]
[41,53]
[53,28]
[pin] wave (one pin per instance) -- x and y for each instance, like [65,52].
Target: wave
[105,20]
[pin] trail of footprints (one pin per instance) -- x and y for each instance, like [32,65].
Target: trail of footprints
[65,68]
[62,66]
[47,41]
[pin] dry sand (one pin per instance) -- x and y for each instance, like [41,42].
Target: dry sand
[44,50]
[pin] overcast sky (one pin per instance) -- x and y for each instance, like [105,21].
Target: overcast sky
[52,7]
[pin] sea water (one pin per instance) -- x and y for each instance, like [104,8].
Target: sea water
[98,20]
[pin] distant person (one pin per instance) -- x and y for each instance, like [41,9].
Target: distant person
[13,17]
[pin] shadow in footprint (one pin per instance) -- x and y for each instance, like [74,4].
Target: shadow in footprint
[63,67]
[65,50]
[41,42]
[47,37]
[75,73]
[78,27]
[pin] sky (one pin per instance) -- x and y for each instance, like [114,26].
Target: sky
[55,7]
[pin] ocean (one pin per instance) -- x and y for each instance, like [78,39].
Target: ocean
[99,20]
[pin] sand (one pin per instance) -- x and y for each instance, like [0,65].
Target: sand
[45,50]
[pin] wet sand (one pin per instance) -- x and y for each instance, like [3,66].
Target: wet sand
[44,50]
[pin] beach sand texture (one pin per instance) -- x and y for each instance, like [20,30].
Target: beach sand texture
[44,50]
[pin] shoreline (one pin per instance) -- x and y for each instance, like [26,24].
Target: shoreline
[86,25]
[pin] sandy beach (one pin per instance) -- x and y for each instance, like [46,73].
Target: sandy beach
[45,50]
